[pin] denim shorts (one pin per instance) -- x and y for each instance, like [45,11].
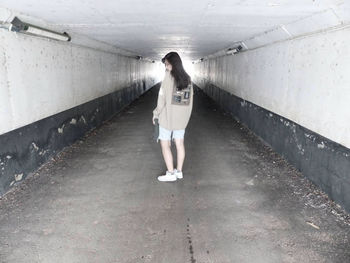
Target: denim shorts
[165,134]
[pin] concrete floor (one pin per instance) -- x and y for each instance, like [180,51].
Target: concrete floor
[99,200]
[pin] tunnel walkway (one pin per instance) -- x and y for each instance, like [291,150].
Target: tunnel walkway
[99,200]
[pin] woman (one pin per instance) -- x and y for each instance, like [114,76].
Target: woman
[174,107]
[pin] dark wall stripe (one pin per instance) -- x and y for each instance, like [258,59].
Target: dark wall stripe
[24,150]
[324,162]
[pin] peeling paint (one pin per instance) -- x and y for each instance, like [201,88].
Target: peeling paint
[270,114]
[8,157]
[18,177]
[243,103]
[42,152]
[73,121]
[301,150]
[82,119]
[60,130]
[250,182]
[35,146]
[293,128]
[320,145]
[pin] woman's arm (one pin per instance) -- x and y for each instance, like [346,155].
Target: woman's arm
[161,97]
[160,102]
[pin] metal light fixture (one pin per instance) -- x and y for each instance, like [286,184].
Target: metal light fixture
[234,50]
[18,26]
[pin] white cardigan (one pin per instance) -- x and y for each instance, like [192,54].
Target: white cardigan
[171,116]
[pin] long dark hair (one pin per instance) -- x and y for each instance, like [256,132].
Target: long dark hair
[182,79]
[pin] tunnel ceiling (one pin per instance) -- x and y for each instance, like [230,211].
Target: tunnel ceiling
[151,28]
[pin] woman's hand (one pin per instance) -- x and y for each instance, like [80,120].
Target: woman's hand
[153,118]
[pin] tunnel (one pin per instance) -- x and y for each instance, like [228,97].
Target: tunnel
[266,174]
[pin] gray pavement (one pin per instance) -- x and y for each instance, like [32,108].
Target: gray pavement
[99,200]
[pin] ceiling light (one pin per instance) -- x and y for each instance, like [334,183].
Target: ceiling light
[18,26]
[234,50]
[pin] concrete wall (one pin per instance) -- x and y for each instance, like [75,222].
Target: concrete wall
[52,93]
[305,80]
[295,95]
[39,77]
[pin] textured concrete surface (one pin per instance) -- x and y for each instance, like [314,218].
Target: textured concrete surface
[197,27]
[40,78]
[323,161]
[99,200]
[25,149]
[294,79]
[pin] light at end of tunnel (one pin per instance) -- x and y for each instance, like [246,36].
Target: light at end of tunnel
[159,71]
[188,66]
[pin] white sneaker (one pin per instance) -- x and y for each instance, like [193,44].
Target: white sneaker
[168,177]
[179,174]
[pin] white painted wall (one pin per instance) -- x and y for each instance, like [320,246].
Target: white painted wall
[305,79]
[40,77]
[193,28]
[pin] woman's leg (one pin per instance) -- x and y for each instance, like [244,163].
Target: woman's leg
[167,155]
[180,150]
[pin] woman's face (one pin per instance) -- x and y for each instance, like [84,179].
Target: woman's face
[168,66]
